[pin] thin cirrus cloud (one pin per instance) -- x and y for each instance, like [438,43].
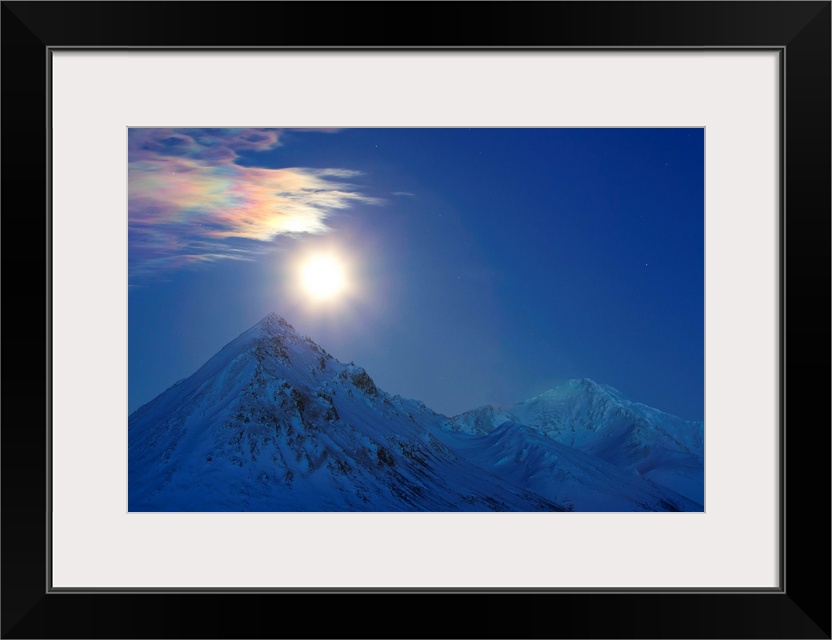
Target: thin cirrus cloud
[190,203]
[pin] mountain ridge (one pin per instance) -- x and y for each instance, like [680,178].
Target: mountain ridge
[273,422]
[600,420]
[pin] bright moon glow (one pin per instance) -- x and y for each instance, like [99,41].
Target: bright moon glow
[323,277]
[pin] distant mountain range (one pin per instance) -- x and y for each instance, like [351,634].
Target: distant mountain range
[274,423]
[597,419]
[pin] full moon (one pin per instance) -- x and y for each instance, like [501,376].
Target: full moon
[322,277]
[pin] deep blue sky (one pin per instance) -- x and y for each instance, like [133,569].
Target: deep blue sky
[487,265]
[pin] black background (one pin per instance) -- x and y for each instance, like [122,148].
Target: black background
[800,609]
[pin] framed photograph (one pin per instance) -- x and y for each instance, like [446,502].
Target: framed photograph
[500,311]
[409,261]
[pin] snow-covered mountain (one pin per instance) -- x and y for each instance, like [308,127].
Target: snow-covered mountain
[579,481]
[274,423]
[599,420]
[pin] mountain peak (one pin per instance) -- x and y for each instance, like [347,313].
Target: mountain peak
[274,322]
[574,384]
[583,383]
[582,386]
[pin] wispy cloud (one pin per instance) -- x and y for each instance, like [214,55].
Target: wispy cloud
[191,203]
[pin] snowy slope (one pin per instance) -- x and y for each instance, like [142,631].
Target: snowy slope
[275,423]
[599,420]
[580,481]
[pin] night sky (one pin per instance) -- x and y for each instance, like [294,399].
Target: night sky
[480,265]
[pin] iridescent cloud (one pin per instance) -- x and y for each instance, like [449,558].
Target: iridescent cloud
[191,203]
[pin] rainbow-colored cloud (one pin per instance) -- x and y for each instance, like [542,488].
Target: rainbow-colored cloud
[191,203]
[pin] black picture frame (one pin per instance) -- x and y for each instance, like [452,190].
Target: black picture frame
[799,608]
